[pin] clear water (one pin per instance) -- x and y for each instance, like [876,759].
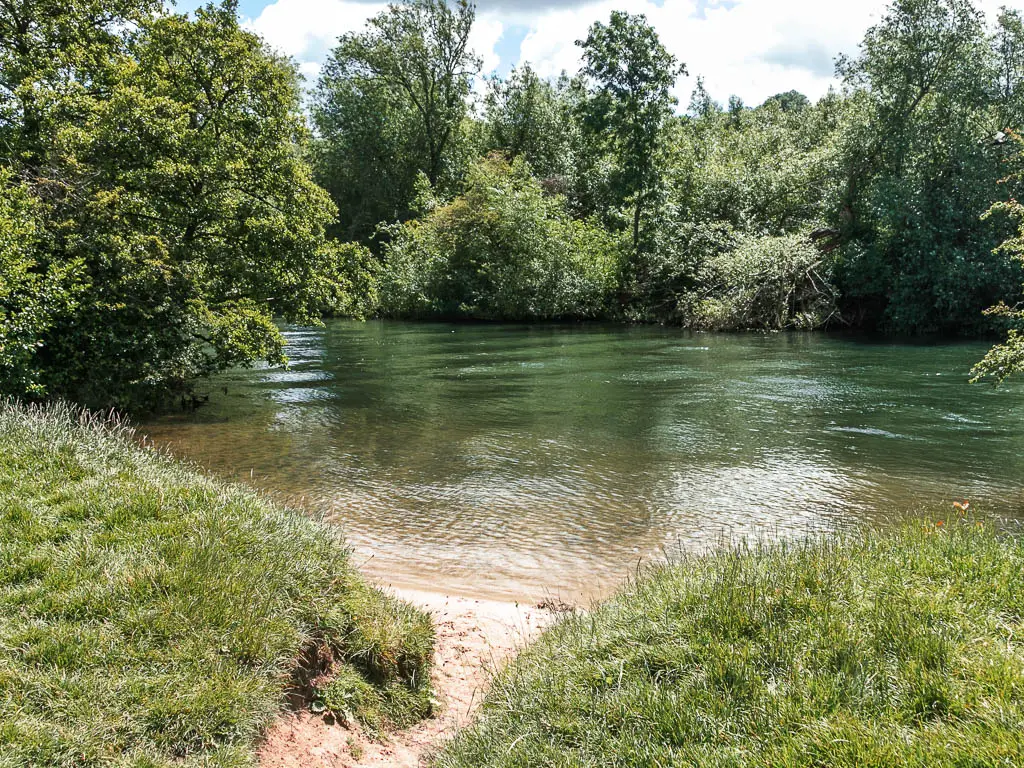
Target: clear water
[516,461]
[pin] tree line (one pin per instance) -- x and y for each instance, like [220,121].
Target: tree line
[168,191]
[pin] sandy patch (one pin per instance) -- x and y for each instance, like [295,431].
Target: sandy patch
[474,637]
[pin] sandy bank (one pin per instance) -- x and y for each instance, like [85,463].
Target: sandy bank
[474,637]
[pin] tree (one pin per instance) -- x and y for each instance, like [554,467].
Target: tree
[701,103]
[527,115]
[1008,43]
[790,101]
[367,151]
[632,75]
[1007,359]
[31,298]
[920,168]
[417,53]
[55,59]
[179,196]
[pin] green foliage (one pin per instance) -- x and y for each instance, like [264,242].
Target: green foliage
[921,166]
[502,250]
[527,115]
[1007,359]
[30,299]
[632,75]
[769,283]
[353,277]
[771,171]
[156,617]
[390,103]
[790,101]
[1008,44]
[168,178]
[892,649]
[367,151]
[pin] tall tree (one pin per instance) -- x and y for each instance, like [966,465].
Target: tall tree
[178,194]
[632,76]
[790,101]
[920,169]
[1008,42]
[367,151]
[55,59]
[527,115]
[416,52]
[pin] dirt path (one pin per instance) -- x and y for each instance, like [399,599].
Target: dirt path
[474,637]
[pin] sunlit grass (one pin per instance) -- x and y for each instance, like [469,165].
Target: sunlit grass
[892,649]
[150,616]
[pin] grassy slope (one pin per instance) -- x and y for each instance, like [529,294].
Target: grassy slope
[893,650]
[152,617]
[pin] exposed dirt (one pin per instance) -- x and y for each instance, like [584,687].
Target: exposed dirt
[474,637]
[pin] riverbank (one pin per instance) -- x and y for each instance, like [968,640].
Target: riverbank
[474,640]
[899,648]
[151,616]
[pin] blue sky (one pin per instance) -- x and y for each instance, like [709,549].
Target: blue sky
[750,48]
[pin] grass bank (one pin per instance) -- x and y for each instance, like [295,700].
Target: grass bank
[899,649]
[150,616]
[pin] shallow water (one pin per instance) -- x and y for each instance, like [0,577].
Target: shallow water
[514,461]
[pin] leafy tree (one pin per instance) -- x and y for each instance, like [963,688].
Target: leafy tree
[1007,359]
[701,103]
[502,250]
[920,168]
[367,152]
[736,109]
[790,101]
[177,196]
[31,299]
[632,75]
[415,53]
[56,58]
[527,115]
[1008,43]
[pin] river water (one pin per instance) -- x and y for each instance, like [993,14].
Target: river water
[514,461]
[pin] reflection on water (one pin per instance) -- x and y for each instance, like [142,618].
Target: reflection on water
[516,460]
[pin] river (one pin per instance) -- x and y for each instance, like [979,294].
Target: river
[518,461]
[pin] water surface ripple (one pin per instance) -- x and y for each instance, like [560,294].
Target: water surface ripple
[508,460]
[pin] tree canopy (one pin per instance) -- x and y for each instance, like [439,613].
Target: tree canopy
[162,162]
[164,204]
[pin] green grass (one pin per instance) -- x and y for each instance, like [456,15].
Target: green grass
[150,616]
[897,649]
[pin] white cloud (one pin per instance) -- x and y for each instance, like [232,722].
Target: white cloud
[753,48]
[483,39]
[308,29]
[750,48]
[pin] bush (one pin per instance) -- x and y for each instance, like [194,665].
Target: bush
[894,649]
[353,279]
[154,617]
[503,250]
[767,283]
[31,297]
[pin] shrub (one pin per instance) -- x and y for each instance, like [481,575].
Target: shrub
[503,250]
[765,283]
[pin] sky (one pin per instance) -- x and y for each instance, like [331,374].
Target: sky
[749,48]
